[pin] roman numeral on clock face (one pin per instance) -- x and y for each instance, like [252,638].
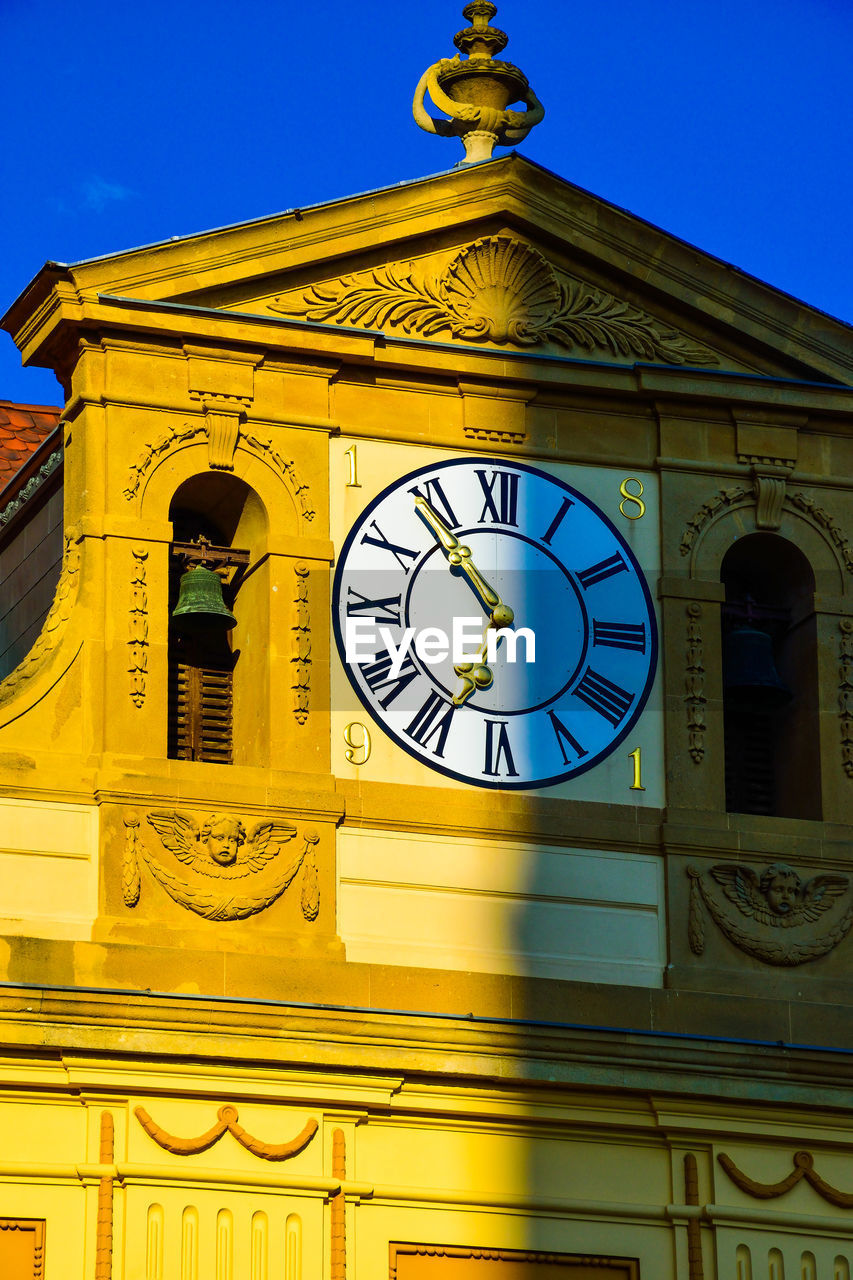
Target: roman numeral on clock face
[497,746]
[557,521]
[376,676]
[604,569]
[430,723]
[386,609]
[563,735]
[437,499]
[619,635]
[500,490]
[604,696]
[396,551]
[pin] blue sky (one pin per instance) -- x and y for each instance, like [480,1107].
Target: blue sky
[728,124]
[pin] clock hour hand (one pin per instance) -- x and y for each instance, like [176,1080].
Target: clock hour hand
[477,674]
[459,556]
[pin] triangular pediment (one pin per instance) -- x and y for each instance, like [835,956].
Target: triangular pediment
[503,255]
[497,291]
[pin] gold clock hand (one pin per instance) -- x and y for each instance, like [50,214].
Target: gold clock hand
[478,674]
[459,556]
[474,675]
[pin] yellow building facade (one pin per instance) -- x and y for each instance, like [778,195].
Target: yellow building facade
[288,989]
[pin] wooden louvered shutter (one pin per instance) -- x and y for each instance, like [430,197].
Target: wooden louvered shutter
[200,712]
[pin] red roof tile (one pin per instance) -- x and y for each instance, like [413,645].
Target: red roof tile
[23,427]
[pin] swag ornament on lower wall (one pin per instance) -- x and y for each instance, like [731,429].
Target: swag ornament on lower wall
[773,915]
[220,871]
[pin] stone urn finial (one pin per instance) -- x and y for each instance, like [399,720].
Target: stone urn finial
[476,91]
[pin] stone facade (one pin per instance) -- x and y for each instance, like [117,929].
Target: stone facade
[323,1010]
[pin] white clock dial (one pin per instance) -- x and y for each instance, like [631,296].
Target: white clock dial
[494,623]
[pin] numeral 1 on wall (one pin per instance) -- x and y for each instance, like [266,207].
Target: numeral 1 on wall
[637,781]
[352,482]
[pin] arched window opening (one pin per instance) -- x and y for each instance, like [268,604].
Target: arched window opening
[217,523]
[770,688]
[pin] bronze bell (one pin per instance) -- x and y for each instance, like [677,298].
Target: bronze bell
[749,672]
[200,603]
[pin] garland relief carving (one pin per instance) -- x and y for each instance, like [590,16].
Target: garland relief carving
[774,915]
[803,1170]
[226,1122]
[220,871]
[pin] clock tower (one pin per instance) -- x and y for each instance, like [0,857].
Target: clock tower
[427,790]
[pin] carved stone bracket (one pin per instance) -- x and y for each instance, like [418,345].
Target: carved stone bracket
[694,697]
[770,478]
[223,416]
[773,915]
[501,290]
[224,384]
[845,693]
[301,658]
[227,1122]
[138,630]
[803,1169]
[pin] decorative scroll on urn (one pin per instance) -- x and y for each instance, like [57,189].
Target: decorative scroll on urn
[498,289]
[476,93]
[773,915]
[220,871]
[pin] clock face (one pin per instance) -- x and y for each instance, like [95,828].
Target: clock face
[494,622]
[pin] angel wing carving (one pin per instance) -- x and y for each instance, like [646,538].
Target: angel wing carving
[264,843]
[755,899]
[179,835]
[231,875]
[777,898]
[820,893]
[740,885]
[219,848]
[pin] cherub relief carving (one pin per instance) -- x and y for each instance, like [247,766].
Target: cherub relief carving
[222,841]
[775,916]
[224,873]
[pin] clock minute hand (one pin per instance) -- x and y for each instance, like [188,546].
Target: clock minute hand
[460,556]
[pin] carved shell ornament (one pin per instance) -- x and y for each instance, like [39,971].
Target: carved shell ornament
[498,289]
